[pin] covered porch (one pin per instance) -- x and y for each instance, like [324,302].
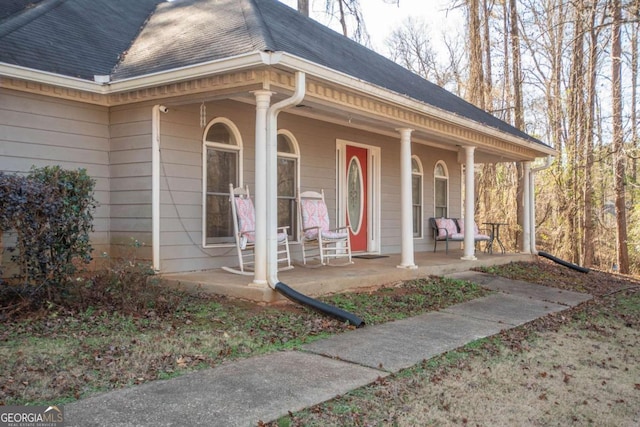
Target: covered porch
[362,274]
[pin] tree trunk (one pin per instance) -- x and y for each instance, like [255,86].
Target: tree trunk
[588,250]
[475,86]
[634,100]
[518,114]
[303,7]
[619,157]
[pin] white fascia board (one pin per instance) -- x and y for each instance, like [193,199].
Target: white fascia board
[342,79]
[23,73]
[240,62]
[148,80]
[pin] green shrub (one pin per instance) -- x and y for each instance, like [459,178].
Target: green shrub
[50,210]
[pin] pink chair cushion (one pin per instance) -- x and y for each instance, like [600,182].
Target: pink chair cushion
[447,224]
[251,237]
[476,230]
[246,215]
[314,214]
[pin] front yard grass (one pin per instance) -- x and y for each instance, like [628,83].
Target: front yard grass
[115,330]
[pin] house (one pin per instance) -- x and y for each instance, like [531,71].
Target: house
[167,102]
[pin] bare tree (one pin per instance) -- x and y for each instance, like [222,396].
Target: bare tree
[475,86]
[618,141]
[518,109]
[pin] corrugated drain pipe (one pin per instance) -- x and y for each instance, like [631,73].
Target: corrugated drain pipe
[272,209]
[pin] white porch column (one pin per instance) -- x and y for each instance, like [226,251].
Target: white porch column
[263,99]
[407,259]
[532,210]
[526,221]
[469,197]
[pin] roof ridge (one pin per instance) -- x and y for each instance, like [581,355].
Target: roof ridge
[123,54]
[15,22]
[257,26]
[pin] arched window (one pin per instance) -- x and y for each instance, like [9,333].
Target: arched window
[288,172]
[416,195]
[222,165]
[441,177]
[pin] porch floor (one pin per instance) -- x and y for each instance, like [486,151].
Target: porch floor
[315,281]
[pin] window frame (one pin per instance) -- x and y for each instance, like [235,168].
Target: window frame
[236,148]
[420,173]
[437,178]
[293,228]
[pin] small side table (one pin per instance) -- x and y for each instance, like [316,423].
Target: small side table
[495,236]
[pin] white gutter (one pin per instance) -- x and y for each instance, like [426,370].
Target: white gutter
[255,59]
[272,175]
[104,87]
[532,201]
[342,79]
[190,72]
[23,73]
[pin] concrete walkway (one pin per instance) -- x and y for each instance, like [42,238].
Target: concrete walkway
[264,388]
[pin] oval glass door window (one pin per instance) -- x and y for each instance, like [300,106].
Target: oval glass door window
[355,190]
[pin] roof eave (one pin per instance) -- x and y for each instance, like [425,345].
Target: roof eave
[336,77]
[106,87]
[254,59]
[44,77]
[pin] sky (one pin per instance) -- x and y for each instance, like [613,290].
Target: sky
[381,18]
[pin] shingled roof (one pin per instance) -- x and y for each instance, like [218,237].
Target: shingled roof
[127,38]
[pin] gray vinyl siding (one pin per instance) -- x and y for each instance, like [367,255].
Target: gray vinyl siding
[130,167]
[181,184]
[41,131]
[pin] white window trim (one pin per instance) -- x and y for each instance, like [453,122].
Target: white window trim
[421,174]
[294,155]
[228,147]
[435,177]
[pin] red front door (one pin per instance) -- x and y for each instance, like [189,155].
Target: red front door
[357,211]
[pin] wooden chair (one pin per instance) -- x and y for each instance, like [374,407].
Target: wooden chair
[244,225]
[316,237]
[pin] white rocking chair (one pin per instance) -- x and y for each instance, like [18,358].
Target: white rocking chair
[244,224]
[316,238]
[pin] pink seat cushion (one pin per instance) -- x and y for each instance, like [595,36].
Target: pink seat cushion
[246,215]
[247,222]
[314,214]
[476,230]
[447,224]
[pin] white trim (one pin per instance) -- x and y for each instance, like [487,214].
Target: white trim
[155,186]
[257,59]
[420,173]
[447,177]
[238,148]
[342,79]
[373,185]
[295,155]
